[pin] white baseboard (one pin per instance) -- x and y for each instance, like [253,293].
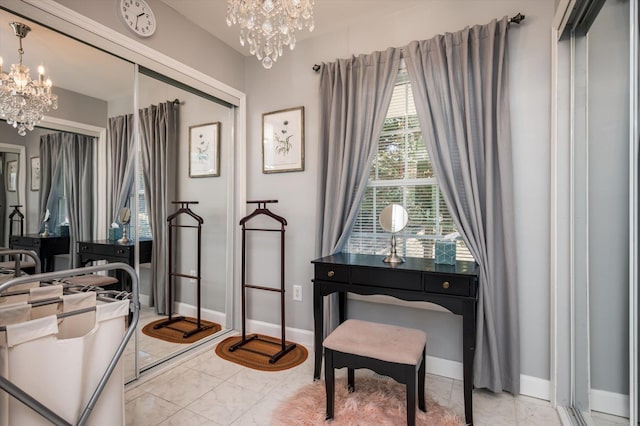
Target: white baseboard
[529,385]
[444,367]
[535,387]
[612,403]
[206,314]
[144,299]
[190,310]
[304,337]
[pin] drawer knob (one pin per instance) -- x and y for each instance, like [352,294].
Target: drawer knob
[445,284]
[330,274]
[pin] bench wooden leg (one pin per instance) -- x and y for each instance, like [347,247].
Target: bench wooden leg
[421,383]
[351,380]
[412,387]
[329,382]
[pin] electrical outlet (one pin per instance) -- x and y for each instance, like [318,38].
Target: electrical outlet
[297,293]
[193,274]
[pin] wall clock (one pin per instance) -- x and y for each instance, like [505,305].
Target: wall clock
[138,17]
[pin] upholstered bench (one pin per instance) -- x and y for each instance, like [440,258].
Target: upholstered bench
[397,352]
[27,266]
[91,280]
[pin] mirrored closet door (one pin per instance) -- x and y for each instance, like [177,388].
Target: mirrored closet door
[98,91]
[596,173]
[199,179]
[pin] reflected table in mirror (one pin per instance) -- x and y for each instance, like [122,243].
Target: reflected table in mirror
[113,251]
[45,247]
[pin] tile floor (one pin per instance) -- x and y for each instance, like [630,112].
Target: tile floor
[206,390]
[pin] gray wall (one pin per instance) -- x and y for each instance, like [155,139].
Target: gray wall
[291,83]
[175,37]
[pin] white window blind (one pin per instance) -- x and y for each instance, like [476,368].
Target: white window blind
[144,228]
[401,173]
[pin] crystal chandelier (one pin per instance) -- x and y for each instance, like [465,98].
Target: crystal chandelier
[23,101]
[268,25]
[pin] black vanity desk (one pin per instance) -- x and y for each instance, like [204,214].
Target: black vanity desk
[45,247]
[113,251]
[454,287]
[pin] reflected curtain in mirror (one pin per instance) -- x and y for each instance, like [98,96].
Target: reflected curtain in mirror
[78,159]
[121,163]
[461,93]
[67,182]
[159,141]
[51,187]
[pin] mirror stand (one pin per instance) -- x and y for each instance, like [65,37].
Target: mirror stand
[393,219]
[393,256]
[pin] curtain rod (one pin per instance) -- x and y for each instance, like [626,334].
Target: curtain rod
[516,20]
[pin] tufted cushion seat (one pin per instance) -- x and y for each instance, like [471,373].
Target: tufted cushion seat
[397,352]
[380,341]
[91,280]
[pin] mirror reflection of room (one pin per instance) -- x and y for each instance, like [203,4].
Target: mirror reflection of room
[88,144]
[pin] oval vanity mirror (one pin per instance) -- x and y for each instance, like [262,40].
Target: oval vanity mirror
[124,216]
[393,218]
[45,219]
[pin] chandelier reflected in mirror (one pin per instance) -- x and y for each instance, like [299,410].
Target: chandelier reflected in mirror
[269,25]
[24,101]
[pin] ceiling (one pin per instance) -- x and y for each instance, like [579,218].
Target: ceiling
[329,15]
[69,63]
[77,67]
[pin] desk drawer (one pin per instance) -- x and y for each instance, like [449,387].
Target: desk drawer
[334,273]
[98,249]
[122,251]
[444,284]
[405,280]
[24,241]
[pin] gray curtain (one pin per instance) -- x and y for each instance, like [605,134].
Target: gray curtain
[159,140]
[121,152]
[51,178]
[66,166]
[355,96]
[78,181]
[460,87]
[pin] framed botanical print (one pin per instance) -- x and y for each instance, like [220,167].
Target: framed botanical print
[204,150]
[12,175]
[35,173]
[283,140]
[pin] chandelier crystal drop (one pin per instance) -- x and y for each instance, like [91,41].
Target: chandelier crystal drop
[24,101]
[268,25]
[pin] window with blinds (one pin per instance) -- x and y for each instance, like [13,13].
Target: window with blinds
[144,228]
[401,173]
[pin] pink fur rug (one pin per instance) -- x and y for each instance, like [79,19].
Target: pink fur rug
[375,402]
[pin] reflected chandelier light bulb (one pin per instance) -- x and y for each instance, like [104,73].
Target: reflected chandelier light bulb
[268,25]
[24,101]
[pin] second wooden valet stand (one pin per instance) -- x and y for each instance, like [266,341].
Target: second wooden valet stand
[173,222]
[284,348]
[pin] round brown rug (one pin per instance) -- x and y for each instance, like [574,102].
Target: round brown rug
[375,402]
[174,333]
[246,355]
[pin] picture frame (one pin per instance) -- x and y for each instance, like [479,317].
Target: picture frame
[12,175]
[204,150]
[283,140]
[35,173]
